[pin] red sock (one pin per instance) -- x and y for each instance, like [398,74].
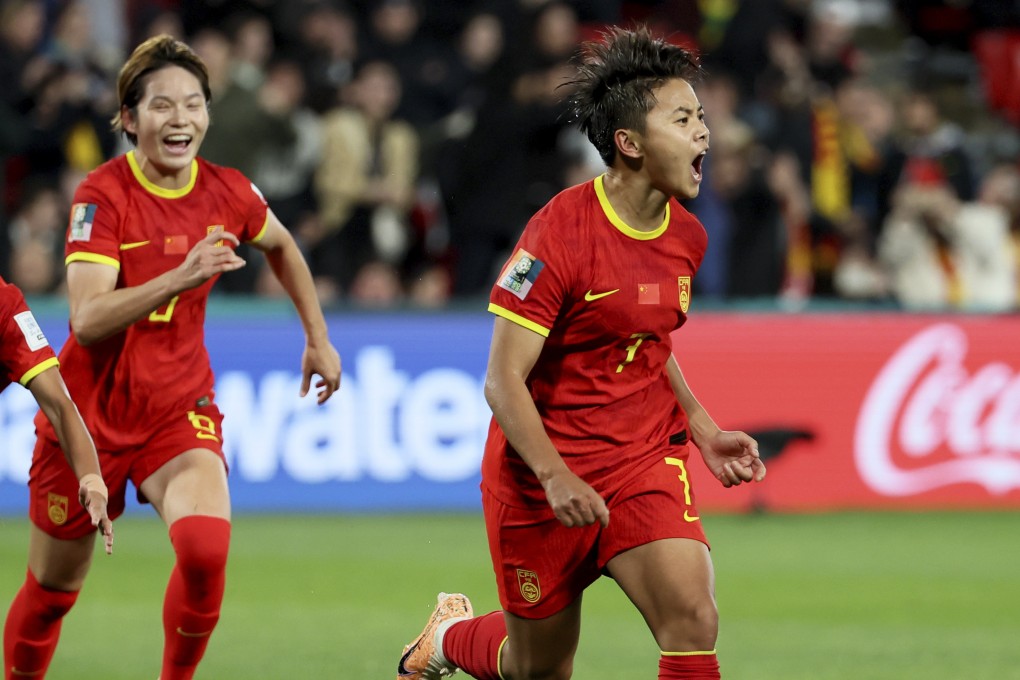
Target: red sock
[696,666]
[473,645]
[33,628]
[191,607]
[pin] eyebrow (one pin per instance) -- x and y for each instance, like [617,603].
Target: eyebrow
[163,97]
[684,109]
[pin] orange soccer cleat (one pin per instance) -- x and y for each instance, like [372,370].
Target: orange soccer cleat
[423,659]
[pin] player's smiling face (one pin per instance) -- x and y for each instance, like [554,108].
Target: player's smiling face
[676,140]
[170,122]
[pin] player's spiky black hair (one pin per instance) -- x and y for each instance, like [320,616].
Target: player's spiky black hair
[616,80]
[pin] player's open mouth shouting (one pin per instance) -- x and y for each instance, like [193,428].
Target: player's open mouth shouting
[177,144]
[696,166]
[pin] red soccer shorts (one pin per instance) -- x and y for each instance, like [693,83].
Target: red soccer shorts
[542,566]
[53,488]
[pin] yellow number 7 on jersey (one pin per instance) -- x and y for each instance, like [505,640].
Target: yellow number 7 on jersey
[632,349]
[163,316]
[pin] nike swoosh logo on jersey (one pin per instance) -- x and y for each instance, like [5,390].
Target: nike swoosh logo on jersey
[688,518]
[136,244]
[589,296]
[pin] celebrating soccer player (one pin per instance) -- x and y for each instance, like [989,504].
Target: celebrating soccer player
[585,467]
[150,231]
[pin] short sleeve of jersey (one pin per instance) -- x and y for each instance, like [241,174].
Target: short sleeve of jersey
[537,280]
[93,229]
[24,350]
[255,211]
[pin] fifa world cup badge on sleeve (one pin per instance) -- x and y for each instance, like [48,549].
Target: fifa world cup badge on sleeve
[520,274]
[528,581]
[82,217]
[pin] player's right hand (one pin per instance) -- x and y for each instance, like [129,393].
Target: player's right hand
[94,501]
[574,502]
[212,255]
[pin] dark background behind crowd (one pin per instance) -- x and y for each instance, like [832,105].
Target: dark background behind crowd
[862,150]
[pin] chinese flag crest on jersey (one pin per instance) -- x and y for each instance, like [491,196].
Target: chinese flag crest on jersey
[684,283]
[528,581]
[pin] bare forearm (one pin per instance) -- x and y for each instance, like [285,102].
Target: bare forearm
[516,414]
[101,316]
[701,423]
[291,270]
[75,441]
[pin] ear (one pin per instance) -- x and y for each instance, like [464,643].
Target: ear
[628,143]
[127,121]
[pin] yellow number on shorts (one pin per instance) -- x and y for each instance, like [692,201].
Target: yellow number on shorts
[205,426]
[164,315]
[685,480]
[632,349]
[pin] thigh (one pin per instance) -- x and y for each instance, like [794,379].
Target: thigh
[61,564]
[191,483]
[541,648]
[672,584]
[541,566]
[181,470]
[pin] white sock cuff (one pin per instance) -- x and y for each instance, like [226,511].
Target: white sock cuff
[441,633]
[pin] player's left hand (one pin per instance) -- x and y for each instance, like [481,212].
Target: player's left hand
[733,458]
[323,360]
[94,502]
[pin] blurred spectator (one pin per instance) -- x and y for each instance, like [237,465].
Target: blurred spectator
[365,182]
[941,252]
[932,144]
[327,45]
[428,287]
[544,71]
[394,34]
[285,165]
[477,168]
[37,241]
[376,285]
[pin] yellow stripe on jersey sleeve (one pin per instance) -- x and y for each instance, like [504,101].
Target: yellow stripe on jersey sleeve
[92,257]
[262,232]
[37,369]
[518,319]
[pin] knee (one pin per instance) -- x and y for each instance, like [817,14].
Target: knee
[695,627]
[201,544]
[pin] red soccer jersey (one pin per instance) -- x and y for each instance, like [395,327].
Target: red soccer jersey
[24,351]
[128,384]
[606,297]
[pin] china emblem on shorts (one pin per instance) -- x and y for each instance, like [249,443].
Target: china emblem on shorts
[684,282]
[528,581]
[57,508]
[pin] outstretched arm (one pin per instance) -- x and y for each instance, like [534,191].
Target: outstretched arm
[731,456]
[288,264]
[99,309]
[512,355]
[50,392]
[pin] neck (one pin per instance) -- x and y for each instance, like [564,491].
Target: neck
[639,205]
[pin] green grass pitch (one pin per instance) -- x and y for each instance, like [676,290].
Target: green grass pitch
[875,596]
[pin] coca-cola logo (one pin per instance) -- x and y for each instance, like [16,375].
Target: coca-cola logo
[928,422]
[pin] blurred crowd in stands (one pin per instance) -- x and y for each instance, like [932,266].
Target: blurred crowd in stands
[862,150]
